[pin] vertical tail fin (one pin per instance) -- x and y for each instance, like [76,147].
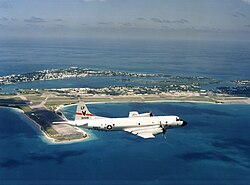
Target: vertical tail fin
[82,112]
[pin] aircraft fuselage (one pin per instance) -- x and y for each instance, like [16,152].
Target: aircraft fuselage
[123,123]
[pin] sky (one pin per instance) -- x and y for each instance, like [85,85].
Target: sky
[156,19]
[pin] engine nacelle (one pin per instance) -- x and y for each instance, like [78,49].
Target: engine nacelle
[136,114]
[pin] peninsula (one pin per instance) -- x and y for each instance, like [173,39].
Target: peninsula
[42,106]
[72,72]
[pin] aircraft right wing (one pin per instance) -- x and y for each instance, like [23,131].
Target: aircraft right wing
[145,132]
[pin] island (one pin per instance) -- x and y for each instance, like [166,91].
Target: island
[71,72]
[42,106]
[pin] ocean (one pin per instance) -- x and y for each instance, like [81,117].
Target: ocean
[224,61]
[212,149]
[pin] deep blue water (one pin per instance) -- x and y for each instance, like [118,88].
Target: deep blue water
[212,149]
[221,60]
[224,60]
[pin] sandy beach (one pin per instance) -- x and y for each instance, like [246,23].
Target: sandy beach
[177,97]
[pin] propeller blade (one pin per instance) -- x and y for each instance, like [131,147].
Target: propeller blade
[163,131]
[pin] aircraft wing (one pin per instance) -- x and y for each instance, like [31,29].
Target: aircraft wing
[145,132]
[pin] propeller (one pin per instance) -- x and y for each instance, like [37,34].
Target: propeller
[163,130]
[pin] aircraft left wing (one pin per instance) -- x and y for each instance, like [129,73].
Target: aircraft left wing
[145,132]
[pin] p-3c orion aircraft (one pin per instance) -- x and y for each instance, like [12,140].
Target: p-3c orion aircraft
[144,125]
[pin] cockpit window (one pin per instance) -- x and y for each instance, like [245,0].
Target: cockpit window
[178,119]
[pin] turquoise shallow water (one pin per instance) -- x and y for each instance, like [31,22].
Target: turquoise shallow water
[212,149]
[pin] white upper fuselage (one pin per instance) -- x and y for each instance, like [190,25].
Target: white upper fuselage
[144,125]
[132,122]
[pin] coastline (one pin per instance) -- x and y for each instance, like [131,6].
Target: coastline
[54,141]
[51,140]
[46,137]
[147,101]
[247,102]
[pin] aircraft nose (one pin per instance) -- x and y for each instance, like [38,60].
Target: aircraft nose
[184,123]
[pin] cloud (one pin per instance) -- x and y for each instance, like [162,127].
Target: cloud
[181,21]
[5,4]
[14,19]
[157,20]
[128,24]
[178,21]
[247,1]
[105,23]
[35,20]
[60,26]
[58,20]
[8,19]
[4,19]
[141,19]
[32,25]
[165,27]
[239,14]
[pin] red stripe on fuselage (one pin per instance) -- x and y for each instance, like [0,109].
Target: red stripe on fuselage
[79,113]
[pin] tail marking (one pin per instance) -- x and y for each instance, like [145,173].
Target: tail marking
[82,112]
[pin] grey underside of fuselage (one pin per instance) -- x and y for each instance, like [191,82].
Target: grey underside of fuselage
[134,127]
[117,127]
